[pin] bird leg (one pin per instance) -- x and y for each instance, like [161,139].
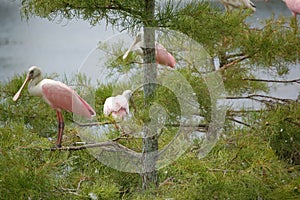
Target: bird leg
[61,126]
[115,124]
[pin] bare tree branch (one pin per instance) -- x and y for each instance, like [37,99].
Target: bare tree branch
[242,112]
[225,66]
[91,124]
[172,125]
[255,96]
[273,81]
[188,125]
[290,120]
[73,191]
[230,56]
[239,122]
[107,146]
[222,170]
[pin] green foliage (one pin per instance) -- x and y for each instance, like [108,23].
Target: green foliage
[115,62]
[260,162]
[22,168]
[242,165]
[208,26]
[101,94]
[118,12]
[273,46]
[235,84]
[200,88]
[225,36]
[281,127]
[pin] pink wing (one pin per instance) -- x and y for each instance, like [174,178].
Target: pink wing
[163,57]
[61,97]
[294,6]
[121,103]
[121,113]
[116,105]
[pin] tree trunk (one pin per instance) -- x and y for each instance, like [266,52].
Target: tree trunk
[150,140]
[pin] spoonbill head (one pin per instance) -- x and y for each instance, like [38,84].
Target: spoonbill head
[135,46]
[34,74]
[58,95]
[163,57]
[127,94]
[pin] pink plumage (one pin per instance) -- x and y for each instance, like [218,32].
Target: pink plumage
[62,97]
[58,95]
[163,57]
[294,6]
[117,106]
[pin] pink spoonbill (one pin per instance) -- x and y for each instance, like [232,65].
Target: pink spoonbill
[163,57]
[231,4]
[294,6]
[58,95]
[118,106]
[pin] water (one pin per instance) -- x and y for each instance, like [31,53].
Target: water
[56,47]
[62,47]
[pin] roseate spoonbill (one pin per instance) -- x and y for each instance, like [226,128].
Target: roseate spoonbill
[58,95]
[118,106]
[231,4]
[163,57]
[294,6]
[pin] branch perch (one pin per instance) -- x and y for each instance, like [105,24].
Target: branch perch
[272,81]
[224,67]
[255,96]
[239,122]
[108,146]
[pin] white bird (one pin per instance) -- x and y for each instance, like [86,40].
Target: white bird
[117,106]
[231,4]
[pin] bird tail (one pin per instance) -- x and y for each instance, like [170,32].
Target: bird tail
[85,111]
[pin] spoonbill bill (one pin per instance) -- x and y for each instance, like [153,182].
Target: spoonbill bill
[163,57]
[118,106]
[231,4]
[58,95]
